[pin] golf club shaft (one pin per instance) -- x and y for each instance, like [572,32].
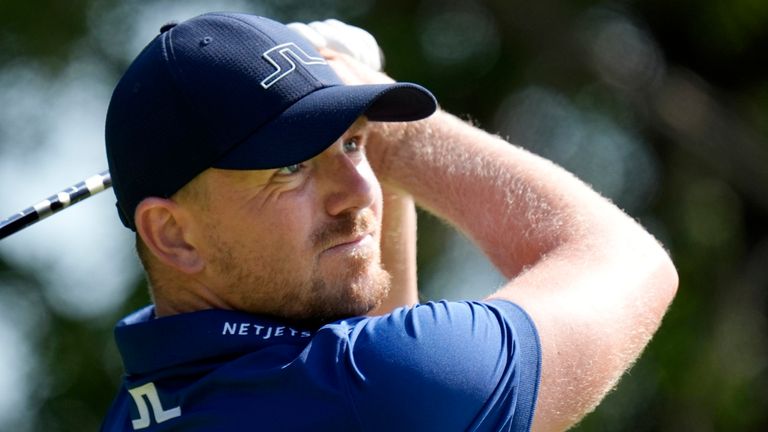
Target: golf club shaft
[55,203]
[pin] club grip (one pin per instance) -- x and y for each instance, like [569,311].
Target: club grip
[55,203]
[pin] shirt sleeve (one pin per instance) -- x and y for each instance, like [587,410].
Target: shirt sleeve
[444,366]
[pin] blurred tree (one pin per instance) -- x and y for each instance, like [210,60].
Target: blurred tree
[700,110]
[44,31]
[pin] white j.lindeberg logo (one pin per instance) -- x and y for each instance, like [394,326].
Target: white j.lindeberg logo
[149,391]
[282,56]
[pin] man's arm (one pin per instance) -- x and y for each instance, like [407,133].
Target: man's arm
[398,249]
[594,281]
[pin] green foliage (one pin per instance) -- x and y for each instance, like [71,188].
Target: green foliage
[44,30]
[688,83]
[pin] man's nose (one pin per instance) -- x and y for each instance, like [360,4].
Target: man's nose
[348,186]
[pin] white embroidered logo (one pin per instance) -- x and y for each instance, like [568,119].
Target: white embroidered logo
[160,414]
[284,63]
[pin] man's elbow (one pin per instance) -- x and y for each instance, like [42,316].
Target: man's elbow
[667,280]
[664,283]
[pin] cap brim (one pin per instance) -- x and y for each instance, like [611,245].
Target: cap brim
[316,121]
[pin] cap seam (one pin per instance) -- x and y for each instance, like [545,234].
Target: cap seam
[139,178]
[178,76]
[174,69]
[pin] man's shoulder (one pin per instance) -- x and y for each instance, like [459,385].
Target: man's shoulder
[478,363]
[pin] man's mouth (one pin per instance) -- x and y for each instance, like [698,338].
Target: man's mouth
[350,243]
[346,233]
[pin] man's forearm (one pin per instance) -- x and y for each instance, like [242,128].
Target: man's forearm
[398,249]
[516,206]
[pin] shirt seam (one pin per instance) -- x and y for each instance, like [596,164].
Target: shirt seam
[347,390]
[536,345]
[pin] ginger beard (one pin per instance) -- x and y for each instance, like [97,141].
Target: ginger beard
[323,287]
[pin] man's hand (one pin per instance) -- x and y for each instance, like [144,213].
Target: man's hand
[342,38]
[351,51]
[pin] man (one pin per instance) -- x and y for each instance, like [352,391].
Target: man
[256,183]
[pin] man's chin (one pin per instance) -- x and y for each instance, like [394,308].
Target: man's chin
[365,294]
[351,297]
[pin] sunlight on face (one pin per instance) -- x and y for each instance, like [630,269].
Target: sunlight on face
[300,242]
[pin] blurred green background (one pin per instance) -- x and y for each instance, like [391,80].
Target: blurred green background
[661,105]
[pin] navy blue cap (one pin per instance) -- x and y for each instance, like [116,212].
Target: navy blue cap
[232,91]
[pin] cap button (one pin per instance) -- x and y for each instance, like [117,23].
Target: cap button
[167,26]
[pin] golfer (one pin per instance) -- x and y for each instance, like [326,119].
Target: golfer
[271,187]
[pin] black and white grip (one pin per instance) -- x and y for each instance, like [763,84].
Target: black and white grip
[55,203]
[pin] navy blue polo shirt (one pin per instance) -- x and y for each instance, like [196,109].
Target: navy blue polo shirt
[444,366]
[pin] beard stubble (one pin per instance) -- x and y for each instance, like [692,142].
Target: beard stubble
[275,290]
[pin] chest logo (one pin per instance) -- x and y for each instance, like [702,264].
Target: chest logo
[149,391]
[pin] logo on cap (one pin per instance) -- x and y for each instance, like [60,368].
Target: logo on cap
[281,57]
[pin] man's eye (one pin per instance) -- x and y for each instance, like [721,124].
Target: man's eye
[352,145]
[290,169]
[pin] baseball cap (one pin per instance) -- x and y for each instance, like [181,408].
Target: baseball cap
[232,91]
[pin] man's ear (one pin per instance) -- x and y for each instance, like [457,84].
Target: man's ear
[165,228]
